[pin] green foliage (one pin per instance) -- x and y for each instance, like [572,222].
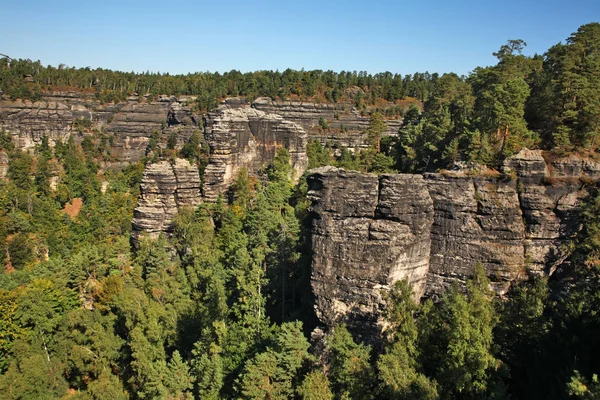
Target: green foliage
[350,371]
[315,387]
[457,340]
[272,374]
[323,124]
[172,140]
[19,251]
[581,388]
[318,156]
[565,104]
[209,88]
[375,130]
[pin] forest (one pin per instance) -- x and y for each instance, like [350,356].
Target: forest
[222,307]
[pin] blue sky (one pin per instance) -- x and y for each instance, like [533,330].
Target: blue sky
[374,36]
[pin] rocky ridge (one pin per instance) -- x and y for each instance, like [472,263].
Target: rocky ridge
[308,115]
[128,124]
[369,231]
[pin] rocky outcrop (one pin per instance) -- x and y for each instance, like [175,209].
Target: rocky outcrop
[476,219]
[29,121]
[243,137]
[308,115]
[3,164]
[165,188]
[128,124]
[549,193]
[369,231]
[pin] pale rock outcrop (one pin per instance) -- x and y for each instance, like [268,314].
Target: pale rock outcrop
[307,114]
[166,187]
[243,137]
[128,125]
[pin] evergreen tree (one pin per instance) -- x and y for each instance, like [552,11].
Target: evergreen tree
[350,370]
[457,340]
[398,366]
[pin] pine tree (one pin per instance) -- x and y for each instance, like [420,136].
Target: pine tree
[350,370]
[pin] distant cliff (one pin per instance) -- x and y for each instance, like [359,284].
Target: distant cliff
[130,124]
[369,231]
[127,125]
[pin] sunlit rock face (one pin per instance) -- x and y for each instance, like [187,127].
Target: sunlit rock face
[243,137]
[166,187]
[369,231]
[126,126]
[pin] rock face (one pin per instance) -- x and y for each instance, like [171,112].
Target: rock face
[164,189]
[3,164]
[308,114]
[29,121]
[369,231]
[128,124]
[240,136]
[476,219]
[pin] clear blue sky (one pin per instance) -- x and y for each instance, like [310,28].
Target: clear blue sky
[374,36]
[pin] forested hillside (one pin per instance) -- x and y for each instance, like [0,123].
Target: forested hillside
[222,308]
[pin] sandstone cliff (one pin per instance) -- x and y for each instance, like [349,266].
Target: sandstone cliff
[165,188]
[241,136]
[369,231]
[308,114]
[128,124]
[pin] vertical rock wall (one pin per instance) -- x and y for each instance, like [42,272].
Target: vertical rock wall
[165,188]
[368,232]
[476,219]
[244,137]
[128,125]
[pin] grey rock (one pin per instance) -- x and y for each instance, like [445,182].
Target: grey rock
[308,114]
[165,188]
[369,231]
[242,137]
[128,124]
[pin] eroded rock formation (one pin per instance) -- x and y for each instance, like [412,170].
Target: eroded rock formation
[337,115]
[165,188]
[241,136]
[128,124]
[369,231]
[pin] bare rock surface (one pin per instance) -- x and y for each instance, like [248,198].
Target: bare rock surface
[128,124]
[369,231]
[243,137]
[307,114]
[165,188]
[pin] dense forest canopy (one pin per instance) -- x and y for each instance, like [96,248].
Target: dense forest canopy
[210,87]
[222,307]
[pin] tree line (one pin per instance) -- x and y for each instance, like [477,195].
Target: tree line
[28,79]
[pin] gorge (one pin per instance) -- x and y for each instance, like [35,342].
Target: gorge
[368,231]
